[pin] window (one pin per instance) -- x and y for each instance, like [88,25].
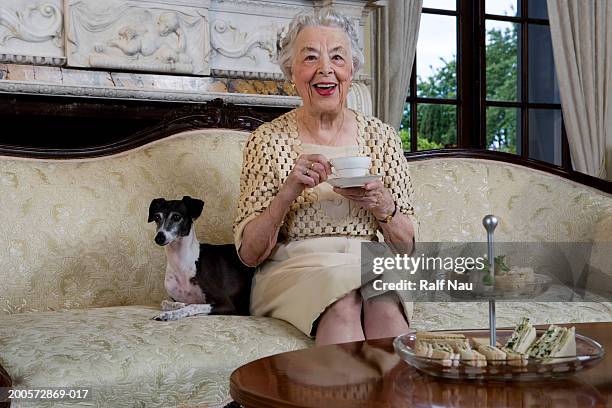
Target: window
[432,105]
[484,77]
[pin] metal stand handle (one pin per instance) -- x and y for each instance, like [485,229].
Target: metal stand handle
[490,222]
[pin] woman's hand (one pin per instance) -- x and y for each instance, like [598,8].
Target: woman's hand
[308,171]
[373,196]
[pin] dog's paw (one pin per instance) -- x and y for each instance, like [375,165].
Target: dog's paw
[189,310]
[200,309]
[166,316]
[168,305]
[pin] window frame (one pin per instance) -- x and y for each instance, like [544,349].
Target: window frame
[471,102]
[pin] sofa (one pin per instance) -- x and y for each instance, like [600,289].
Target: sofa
[82,276]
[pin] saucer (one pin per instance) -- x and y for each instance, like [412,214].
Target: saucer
[345,182]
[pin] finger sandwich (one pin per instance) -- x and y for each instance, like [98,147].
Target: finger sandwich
[442,353]
[452,339]
[522,337]
[493,354]
[554,343]
[514,358]
[476,342]
[471,357]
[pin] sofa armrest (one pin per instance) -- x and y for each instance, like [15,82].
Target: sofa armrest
[5,382]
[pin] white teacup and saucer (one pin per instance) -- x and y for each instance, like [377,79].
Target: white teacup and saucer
[351,171]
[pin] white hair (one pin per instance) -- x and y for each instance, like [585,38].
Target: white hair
[325,17]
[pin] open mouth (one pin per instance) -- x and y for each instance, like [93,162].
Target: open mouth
[325,89]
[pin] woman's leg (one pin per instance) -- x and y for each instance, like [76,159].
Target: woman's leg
[383,316]
[341,321]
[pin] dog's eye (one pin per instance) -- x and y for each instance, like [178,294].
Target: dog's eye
[176,217]
[156,217]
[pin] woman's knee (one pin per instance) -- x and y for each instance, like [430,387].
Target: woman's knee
[386,308]
[347,308]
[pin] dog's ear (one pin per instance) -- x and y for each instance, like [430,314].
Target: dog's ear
[154,207]
[194,206]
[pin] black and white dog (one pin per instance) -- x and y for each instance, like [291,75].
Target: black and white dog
[200,278]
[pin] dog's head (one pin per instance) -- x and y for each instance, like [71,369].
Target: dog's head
[174,217]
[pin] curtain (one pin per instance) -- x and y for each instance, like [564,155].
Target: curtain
[582,47]
[397,30]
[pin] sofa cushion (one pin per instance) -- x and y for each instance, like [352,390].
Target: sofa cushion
[129,360]
[74,233]
[475,315]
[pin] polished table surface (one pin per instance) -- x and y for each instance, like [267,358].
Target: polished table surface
[370,374]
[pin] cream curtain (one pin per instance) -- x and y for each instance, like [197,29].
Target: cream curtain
[397,29]
[582,45]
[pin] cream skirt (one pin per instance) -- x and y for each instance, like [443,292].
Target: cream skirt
[302,278]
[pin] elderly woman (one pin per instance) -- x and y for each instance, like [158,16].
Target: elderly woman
[304,235]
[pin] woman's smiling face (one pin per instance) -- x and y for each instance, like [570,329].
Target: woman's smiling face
[322,68]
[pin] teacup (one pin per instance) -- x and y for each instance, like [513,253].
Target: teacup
[351,166]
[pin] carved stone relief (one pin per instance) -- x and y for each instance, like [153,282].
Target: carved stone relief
[31,32]
[249,51]
[138,35]
[236,39]
[244,33]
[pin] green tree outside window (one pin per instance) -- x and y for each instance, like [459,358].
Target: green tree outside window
[437,124]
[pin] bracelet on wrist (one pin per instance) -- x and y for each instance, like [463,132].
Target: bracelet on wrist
[388,218]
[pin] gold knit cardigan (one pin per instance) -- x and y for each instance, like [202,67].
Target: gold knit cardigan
[269,156]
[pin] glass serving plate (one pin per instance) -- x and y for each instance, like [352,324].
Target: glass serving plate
[589,353]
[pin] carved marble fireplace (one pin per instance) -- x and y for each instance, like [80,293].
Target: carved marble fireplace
[159,50]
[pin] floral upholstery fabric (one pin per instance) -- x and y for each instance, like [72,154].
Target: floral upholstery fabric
[475,315]
[453,195]
[129,360]
[81,275]
[74,234]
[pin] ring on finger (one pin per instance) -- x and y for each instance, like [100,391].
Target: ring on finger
[312,165]
[307,172]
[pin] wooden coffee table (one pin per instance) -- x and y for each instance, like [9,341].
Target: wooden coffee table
[369,374]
